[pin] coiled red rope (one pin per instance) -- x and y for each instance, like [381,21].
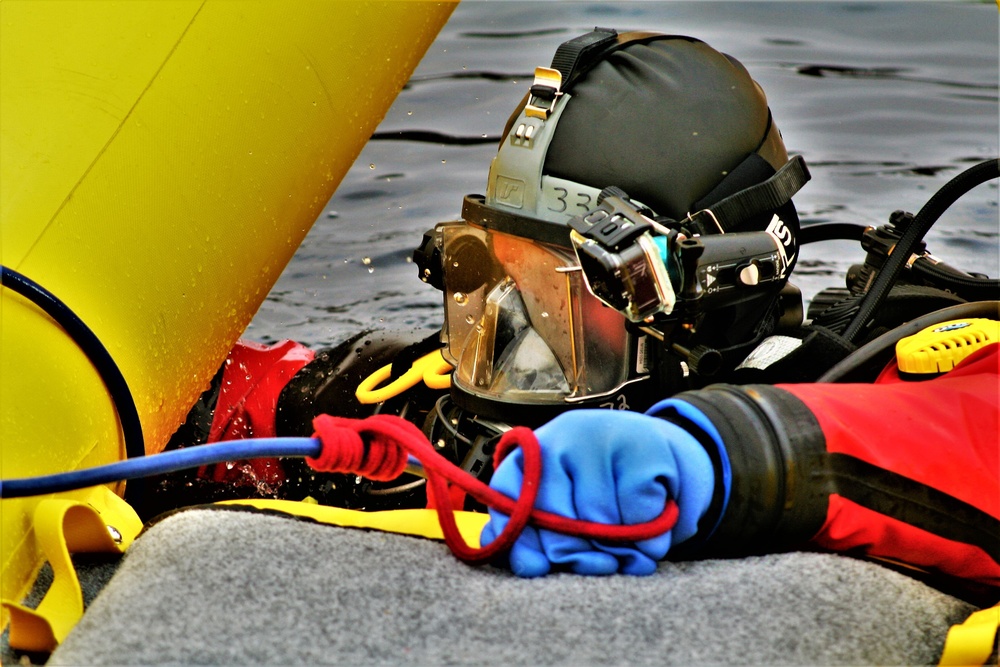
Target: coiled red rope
[377,448]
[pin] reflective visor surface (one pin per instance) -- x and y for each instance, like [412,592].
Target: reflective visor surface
[520,322]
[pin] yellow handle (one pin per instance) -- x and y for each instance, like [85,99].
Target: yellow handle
[971,643]
[366,392]
[96,521]
[437,371]
[431,368]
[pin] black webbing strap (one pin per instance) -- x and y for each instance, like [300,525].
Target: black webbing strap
[577,56]
[573,59]
[727,214]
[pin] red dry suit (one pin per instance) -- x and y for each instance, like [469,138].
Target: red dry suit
[898,470]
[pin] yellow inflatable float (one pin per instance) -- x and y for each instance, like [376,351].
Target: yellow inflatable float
[160,162]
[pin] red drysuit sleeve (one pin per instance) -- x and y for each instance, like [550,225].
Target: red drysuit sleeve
[917,467]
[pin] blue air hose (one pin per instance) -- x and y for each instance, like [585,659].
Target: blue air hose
[170,461]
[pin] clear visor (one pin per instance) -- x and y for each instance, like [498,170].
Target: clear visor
[520,323]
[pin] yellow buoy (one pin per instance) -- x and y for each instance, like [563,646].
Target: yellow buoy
[159,164]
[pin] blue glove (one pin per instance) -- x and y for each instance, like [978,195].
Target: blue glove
[612,467]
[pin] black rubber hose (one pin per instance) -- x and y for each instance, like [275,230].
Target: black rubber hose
[914,233]
[888,340]
[831,231]
[970,288]
[93,349]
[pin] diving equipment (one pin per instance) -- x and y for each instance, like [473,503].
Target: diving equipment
[937,349]
[612,306]
[619,181]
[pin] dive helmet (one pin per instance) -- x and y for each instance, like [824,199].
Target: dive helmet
[635,235]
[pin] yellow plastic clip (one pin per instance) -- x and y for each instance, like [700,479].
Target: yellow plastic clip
[546,79]
[431,368]
[94,521]
[971,643]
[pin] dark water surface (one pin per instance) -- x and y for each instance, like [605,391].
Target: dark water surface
[885,100]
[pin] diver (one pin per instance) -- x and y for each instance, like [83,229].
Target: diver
[632,255]
[687,134]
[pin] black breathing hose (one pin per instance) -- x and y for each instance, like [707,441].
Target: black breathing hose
[831,231]
[914,233]
[94,350]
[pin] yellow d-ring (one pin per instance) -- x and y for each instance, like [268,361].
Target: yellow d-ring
[431,368]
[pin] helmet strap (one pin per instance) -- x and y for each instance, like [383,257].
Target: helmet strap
[731,212]
[575,57]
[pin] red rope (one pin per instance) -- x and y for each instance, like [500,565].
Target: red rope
[377,448]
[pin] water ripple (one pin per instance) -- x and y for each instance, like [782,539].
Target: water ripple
[431,137]
[514,34]
[892,73]
[482,75]
[873,168]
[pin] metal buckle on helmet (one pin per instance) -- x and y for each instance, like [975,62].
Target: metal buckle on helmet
[544,92]
[698,219]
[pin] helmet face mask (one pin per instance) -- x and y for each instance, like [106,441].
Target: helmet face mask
[677,128]
[525,329]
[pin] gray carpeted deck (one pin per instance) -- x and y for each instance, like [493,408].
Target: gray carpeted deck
[222,587]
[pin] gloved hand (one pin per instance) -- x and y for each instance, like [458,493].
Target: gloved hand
[612,467]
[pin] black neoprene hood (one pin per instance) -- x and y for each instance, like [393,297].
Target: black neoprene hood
[665,119]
